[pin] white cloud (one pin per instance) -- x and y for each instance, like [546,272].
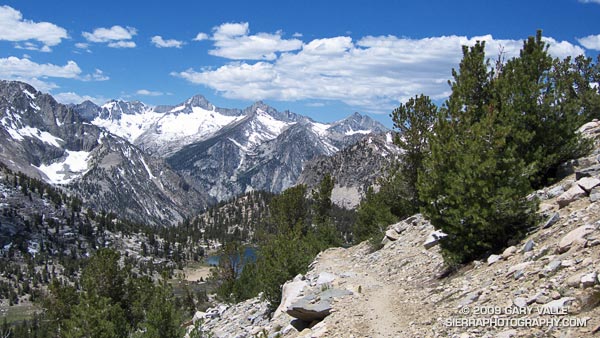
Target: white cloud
[147,92]
[32,46]
[116,36]
[36,74]
[122,44]
[110,34]
[374,74]
[14,28]
[297,35]
[159,42]
[230,30]
[82,45]
[201,37]
[11,67]
[590,1]
[71,97]
[590,41]
[98,75]
[231,41]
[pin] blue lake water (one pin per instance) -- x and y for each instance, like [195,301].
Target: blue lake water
[249,255]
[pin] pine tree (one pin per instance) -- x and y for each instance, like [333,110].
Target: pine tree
[475,184]
[414,121]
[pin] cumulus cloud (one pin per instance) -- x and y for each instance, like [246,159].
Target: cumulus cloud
[201,37]
[115,36]
[590,41]
[37,74]
[14,28]
[159,42]
[232,41]
[374,73]
[71,97]
[147,92]
[13,66]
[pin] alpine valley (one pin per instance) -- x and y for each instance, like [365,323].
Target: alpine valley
[160,165]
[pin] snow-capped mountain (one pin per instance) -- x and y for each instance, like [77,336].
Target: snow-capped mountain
[230,151]
[50,141]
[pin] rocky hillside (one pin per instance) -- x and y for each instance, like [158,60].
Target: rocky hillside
[547,285]
[355,168]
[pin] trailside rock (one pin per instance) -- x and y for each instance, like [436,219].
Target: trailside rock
[588,183]
[576,236]
[551,220]
[493,259]
[587,172]
[569,196]
[290,292]
[433,239]
[392,235]
[304,310]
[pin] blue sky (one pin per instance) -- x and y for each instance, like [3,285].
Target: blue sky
[325,59]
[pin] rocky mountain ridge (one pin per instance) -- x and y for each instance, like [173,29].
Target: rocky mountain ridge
[354,168]
[47,140]
[547,285]
[228,152]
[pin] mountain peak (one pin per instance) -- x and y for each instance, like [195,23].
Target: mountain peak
[199,101]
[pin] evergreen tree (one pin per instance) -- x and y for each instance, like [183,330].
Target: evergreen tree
[322,206]
[414,121]
[475,183]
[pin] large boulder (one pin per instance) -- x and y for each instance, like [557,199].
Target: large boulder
[571,195]
[290,292]
[307,310]
[576,236]
[588,183]
[315,306]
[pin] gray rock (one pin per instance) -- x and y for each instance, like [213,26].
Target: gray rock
[518,267]
[433,239]
[511,250]
[569,196]
[589,280]
[556,191]
[595,194]
[551,220]
[290,292]
[305,310]
[520,302]
[552,266]
[493,259]
[528,246]
[576,236]
[334,293]
[588,183]
[587,172]
[392,234]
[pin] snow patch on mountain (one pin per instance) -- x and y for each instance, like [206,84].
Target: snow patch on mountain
[27,131]
[129,126]
[64,171]
[200,123]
